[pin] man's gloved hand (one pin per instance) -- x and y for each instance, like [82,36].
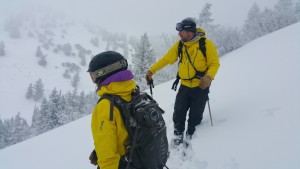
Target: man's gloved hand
[148,76]
[205,81]
[93,158]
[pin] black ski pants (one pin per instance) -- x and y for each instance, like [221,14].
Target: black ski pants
[194,100]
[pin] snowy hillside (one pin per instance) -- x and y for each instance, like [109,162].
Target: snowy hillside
[61,42]
[255,108]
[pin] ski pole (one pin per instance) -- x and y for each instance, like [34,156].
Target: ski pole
[151,85]
[211,122]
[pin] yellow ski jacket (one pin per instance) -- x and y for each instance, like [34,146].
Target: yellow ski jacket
[110,137]
[186,70]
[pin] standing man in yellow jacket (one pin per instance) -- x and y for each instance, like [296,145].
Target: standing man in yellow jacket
[108,70]
[194,88]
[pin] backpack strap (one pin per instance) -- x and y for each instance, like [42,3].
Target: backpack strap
[111,107]
[180,45]
[202,46]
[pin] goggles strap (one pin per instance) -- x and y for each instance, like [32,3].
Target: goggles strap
[110,68]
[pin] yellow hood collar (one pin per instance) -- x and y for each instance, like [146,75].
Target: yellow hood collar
[123,89]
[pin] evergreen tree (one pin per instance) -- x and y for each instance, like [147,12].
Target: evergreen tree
[285,13]
[9,139]
[66,74]
[75,80]
[64,115]
[252,27]
[268,21]
[20,129]
[297,10]
[228,39]
[36,121]
[67,49]
[53,111]
[38,90]
[3,134]
[39,52]
[43,62]
[42,124]
[82,102]
[17,130]
[205,20]
[143,57]
[29,93]
[72,105]
[2,48]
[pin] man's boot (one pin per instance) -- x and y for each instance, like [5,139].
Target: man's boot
[188,140]
[177,140]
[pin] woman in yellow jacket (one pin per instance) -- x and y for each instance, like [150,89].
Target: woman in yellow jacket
[108,70]
[193,92]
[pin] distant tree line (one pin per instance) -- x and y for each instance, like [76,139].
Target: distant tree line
[258,23]
[57,110]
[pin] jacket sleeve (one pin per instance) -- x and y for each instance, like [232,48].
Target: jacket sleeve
[169,58]
[213,63]
[105,137]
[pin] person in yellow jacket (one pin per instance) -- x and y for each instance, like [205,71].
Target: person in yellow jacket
[194,88]
[108,70]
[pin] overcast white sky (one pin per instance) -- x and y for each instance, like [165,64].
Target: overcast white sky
[139,16]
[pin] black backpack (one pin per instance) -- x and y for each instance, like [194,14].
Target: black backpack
[198,74]
[148,147]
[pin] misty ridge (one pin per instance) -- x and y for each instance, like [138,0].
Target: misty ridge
[57,38]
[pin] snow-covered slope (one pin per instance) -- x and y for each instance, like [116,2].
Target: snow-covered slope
[255,109]
[19,67]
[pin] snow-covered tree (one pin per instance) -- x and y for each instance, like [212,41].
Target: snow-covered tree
[75,80]
[268,21]
[3,134]
[2,48]
[36,121]
[142,58]
[20,130]
[252,27]
[67,49]
[43,62]
[205,20]
[285,14]
[297,10]
[64,115]
[29,93]
[72,105]
[228,39]
[66,74]
[41,122]
[39,52]
[38,90]
[15,130]
[54,109]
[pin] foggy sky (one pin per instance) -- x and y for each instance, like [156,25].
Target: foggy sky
[135,17]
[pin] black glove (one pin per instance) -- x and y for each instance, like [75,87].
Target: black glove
[93,158]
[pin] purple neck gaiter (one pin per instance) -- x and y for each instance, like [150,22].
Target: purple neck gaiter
[118,77]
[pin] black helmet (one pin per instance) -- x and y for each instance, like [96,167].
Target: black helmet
[106,64]
[187,24]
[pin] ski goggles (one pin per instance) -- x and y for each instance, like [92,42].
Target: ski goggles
[110,68]
[180,26]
